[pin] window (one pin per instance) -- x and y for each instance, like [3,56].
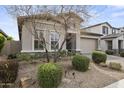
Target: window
[54,36]
[113,31]
[71,24]
[105,30]
[38,42]
[109,45]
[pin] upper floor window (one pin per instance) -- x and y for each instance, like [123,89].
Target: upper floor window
[54,36]
[113,31]
[38,40]
[105,30]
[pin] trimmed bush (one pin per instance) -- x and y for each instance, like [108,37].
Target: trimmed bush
[80,63]
[99,57]
[24,56]
[110,52]
[8,71]
[122,54]
[116,66]
[49,75]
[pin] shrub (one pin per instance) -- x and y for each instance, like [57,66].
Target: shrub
[71,53]
[2,40]
[99,57]
[114,65]
[12,56]
[24,56]
[80,63]
[49,75]
[110,52]
[9,38]
[8,71]
[63,53]
[122,54]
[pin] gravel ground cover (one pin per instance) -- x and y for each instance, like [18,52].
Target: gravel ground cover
[95,77]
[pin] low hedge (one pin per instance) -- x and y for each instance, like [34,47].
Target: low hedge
[24,57]
[80,63]
[49,75]
[110,52]
[99,57]
[122,54]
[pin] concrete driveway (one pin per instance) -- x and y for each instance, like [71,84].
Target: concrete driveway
[111,58]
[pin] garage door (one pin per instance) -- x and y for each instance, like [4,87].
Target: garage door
[88,45]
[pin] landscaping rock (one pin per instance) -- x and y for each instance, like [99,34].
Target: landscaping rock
[103,64]
[65,80]
[26,82]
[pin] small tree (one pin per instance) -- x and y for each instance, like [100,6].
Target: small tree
[2,40]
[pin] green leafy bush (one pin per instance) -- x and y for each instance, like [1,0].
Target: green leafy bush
[8,71]
[122,54]
[114,65]
[49,75]
[24,56]
[71,53]
[99,57]
[63,53]
[110,52]
[80,63]
[2,40]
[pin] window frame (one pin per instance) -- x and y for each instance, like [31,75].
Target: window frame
[54,40]
[104,30]
[38,49]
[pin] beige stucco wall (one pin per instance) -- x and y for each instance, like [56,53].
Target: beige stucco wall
[26,39]
[48,26]
[98,29]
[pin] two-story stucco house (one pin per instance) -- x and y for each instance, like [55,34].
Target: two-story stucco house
[112,39]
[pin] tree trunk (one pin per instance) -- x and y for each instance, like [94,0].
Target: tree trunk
[47,56]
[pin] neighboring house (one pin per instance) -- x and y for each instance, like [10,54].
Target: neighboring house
[112,39]
[3,33]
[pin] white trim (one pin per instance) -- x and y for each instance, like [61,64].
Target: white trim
[90,37]
[30,51]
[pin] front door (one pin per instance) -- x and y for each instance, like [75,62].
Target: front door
[109,45]
[71,42]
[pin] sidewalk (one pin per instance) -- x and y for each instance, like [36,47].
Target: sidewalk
[118,84]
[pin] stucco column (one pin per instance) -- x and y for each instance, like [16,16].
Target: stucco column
[77,41]
[115,44]
[99,45]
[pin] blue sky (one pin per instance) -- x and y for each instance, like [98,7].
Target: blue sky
[112,14]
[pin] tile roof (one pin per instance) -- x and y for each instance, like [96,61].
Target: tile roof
[112,36]
[1,31]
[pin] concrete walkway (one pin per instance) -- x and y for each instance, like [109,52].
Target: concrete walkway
[118,84]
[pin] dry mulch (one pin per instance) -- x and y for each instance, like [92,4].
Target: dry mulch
[93,78]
